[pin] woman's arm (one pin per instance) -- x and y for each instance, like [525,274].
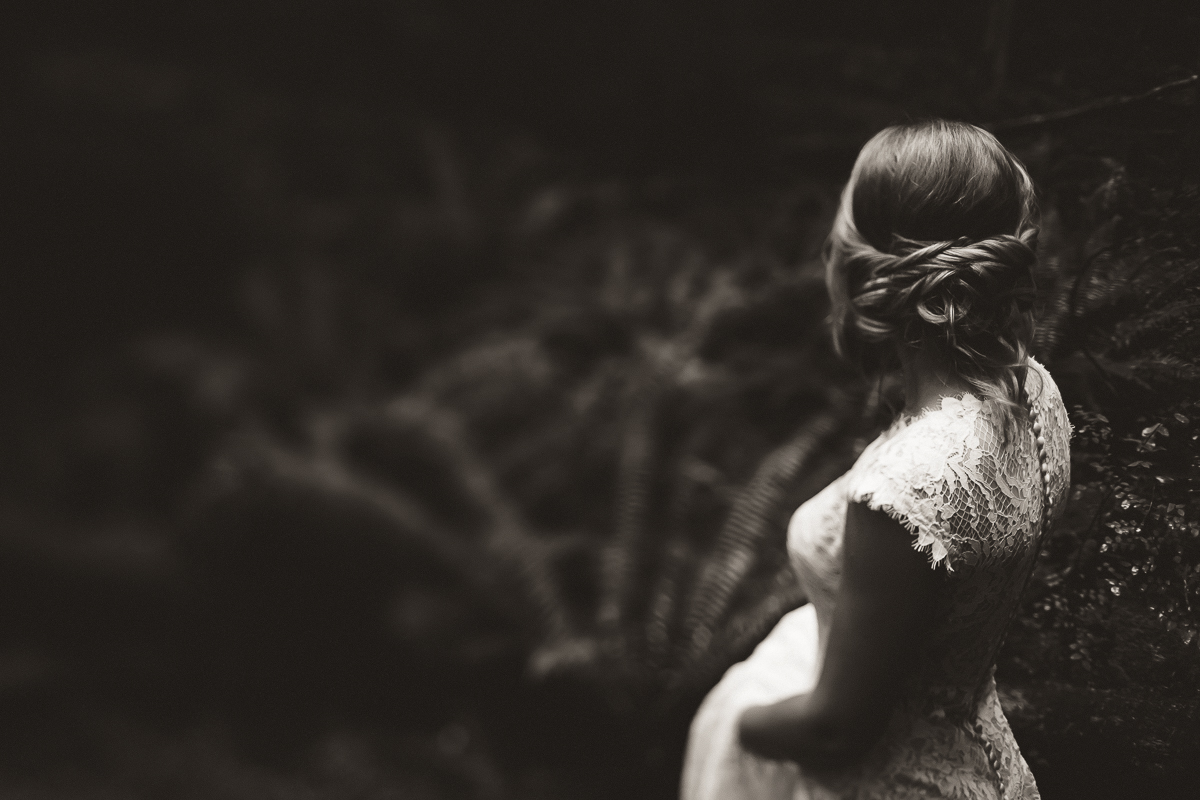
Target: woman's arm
[884,604]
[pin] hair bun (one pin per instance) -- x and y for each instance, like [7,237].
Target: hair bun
[963,287]
[932,249]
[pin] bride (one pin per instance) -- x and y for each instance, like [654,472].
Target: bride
[914,560]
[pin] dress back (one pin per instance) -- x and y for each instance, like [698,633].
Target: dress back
[970,492]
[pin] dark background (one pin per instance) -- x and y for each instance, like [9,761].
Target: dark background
[115,163]
[236,232]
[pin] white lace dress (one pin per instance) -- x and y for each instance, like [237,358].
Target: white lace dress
[974,506]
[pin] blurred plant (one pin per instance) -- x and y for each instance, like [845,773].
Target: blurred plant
[476,414]
[570,474]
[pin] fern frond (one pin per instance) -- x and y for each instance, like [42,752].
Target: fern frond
[1169,278]
[1136,330]
[735,639]
[1165,370]
[1103,282]
[635,473]
[737,545]
[259,465]
[664,362]
[490,375]
[1054,319]
[508,535]
[664,600]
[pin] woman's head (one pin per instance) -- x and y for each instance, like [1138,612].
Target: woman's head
[932,249]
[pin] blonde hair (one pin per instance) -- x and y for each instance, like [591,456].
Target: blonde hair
[933,248]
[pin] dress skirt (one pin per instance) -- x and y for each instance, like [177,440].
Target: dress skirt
[716,767]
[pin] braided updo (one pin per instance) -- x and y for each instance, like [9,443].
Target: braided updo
[933,248]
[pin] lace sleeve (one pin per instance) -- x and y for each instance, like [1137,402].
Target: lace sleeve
[929,478]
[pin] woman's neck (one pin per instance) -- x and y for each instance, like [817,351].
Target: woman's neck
[926,383]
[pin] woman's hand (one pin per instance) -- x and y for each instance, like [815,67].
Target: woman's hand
[789,731]
[763,729]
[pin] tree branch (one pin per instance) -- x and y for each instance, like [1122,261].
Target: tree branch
[1088,108]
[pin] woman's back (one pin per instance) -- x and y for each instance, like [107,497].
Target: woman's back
[973,500]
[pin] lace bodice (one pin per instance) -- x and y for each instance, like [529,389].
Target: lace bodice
[973,501]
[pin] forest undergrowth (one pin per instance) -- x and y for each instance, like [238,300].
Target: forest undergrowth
[489,523]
